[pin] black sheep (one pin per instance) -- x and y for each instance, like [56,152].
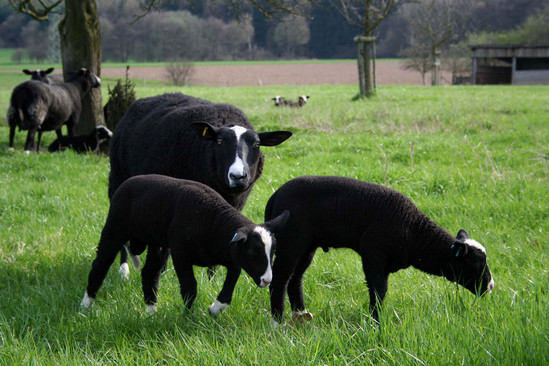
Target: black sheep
[35,105]
[193,222]
[83,143]
[189,138]
[382,225]
[43,76]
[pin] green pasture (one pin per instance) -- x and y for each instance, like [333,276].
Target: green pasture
[470,157]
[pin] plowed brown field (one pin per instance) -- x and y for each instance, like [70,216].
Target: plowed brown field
[387,72]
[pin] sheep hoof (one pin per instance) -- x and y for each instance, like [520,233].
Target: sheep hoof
[11,149]
[217,308]
[87,301]
[27,152]
[152,309]
[124,271]
[301,317]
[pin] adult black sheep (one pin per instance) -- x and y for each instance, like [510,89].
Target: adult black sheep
[189,138]
[37,106]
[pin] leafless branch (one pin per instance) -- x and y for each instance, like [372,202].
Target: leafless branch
[38,9]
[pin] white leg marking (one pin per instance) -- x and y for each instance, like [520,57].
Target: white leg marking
[124,271]
[86,301]
[152,309]
[217,308]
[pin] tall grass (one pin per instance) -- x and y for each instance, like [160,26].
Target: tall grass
[469,157]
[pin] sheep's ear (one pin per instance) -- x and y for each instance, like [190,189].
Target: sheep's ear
[462,235]
[278,222]
[238,238]
[459,249]
[204,129]
[28,72]
[49,71]
[273,138]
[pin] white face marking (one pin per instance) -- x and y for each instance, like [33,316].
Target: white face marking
[217,308]
[86,301]
[266,238]
[237,168]
[304,98]
[475,244]
[277,99]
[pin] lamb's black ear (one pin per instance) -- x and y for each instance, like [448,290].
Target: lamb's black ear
[459,249]
[278,222]
[205,130]
[462,235]
[26,71]
[49,71]
[273,138]
[238,238]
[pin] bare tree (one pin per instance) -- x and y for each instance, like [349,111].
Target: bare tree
[434,24]
[292,32]
[416,59]
[366,15]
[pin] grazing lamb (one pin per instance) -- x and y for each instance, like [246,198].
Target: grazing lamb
[43,76]
[193,222]
[279,101]
[35,105]
[189,138]
[383,226]
[83,143]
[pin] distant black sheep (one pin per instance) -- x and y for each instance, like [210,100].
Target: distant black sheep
[383,226]
[83,143]
[189,138]
[43,76]
[193,222]
[35,105]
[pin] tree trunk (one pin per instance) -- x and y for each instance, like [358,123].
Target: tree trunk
[364,58]
[81,47]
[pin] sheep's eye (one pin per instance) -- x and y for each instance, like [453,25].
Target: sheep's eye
[219,141]
[256,144]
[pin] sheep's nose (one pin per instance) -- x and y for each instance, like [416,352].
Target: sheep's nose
[265,283]
[238,176]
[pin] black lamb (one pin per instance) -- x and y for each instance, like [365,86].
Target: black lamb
[189,138]
[193,222]
[83,143]
[382,225]
[37,106]
[44,76]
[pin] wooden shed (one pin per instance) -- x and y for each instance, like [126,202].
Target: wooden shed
[514,64]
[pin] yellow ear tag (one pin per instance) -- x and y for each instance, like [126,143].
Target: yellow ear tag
[204,133]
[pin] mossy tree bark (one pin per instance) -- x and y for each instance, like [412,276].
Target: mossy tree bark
[81,47]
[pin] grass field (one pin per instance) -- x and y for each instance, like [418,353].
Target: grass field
[469,157]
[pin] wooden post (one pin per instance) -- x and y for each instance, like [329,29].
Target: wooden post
[435,76]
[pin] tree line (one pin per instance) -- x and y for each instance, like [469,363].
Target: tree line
[207,30]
